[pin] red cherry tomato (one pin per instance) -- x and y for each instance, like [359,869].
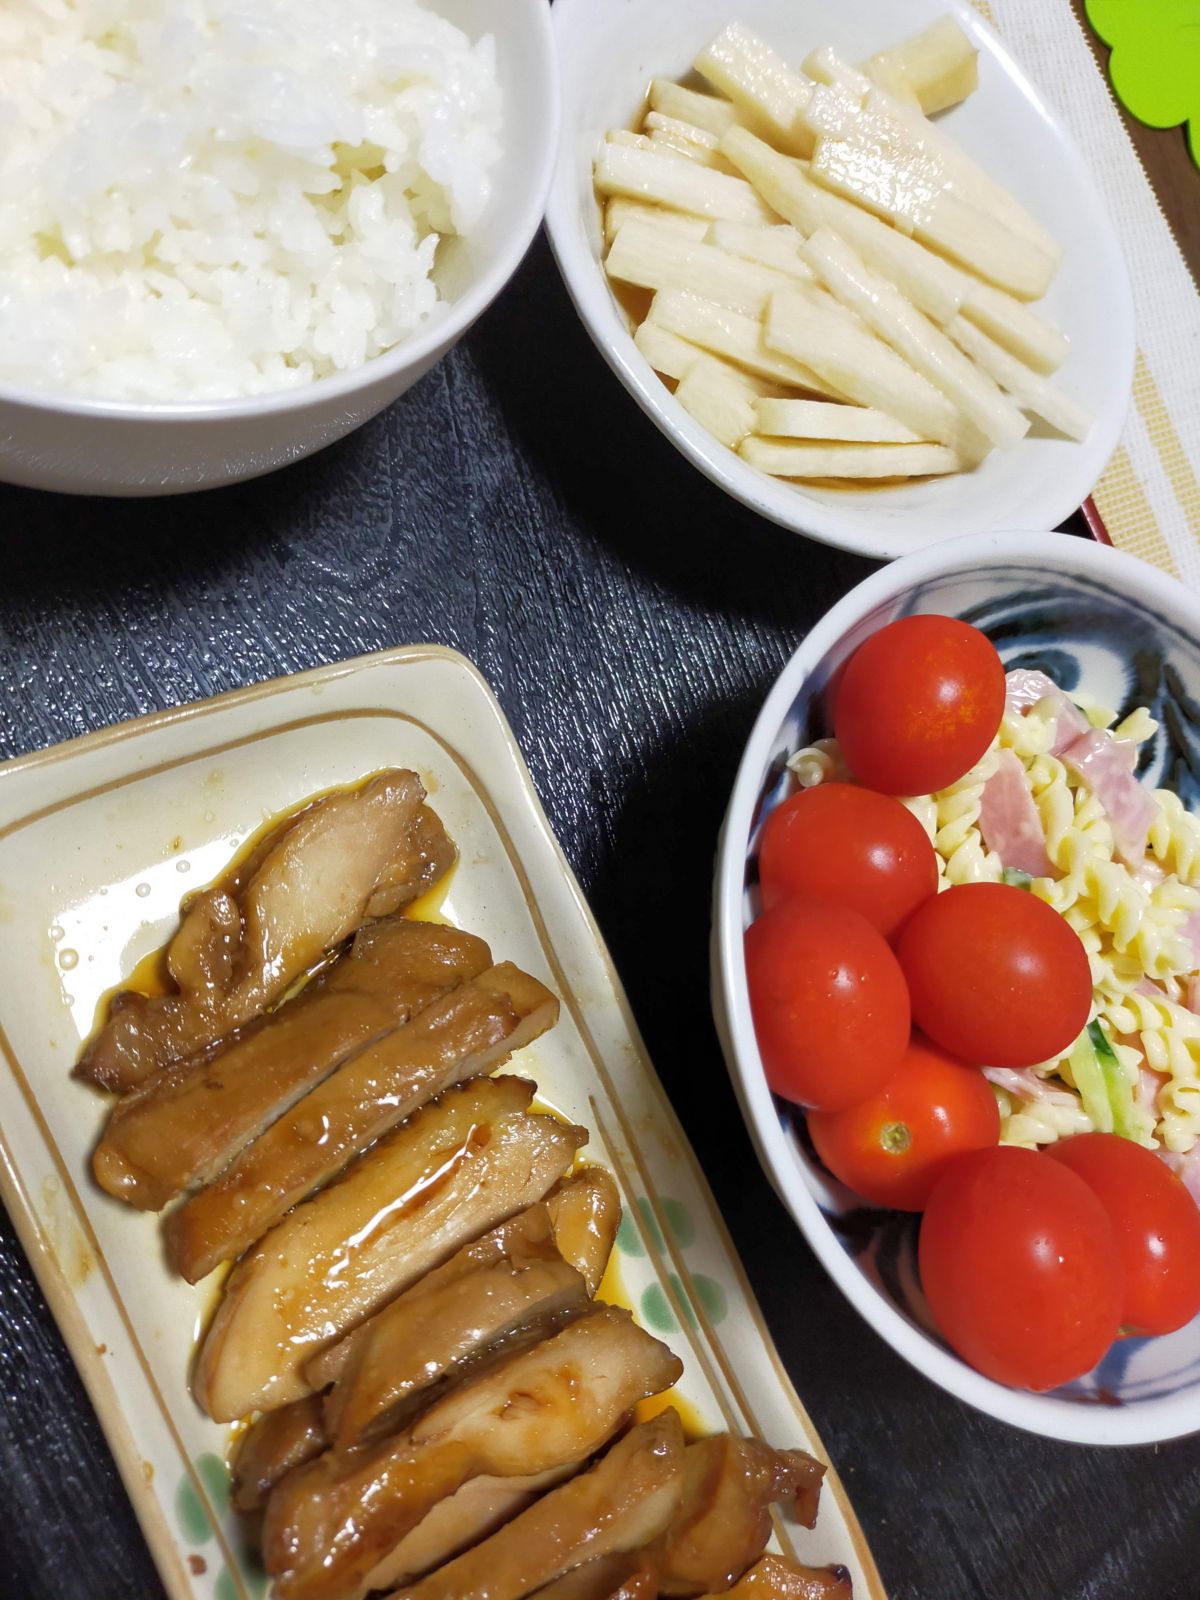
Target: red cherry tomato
[1019,1263]
[892,1147]
[829,1003]
[851,847]
[918,703]
[1157,1223]
[996,975]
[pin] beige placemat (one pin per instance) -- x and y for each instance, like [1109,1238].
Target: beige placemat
[1149,496]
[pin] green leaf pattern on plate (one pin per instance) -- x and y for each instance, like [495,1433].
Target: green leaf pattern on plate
[654,1303]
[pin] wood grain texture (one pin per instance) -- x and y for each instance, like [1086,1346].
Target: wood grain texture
[631,619]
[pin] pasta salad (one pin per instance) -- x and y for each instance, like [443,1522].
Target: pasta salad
[1054,806]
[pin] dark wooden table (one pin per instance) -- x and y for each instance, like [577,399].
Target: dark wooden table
[517,506]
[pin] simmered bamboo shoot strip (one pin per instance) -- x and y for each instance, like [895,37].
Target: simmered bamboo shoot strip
[626,1577]
[1028,388]
[1016,326]
[819,419]
[761,85]
[667,180]
[654,258]
[912,335]
[618,211]
[463,1164]
[784,459]
[938,66]
[772,247]
[928,281]
[902,191]
[705,111]
[739,339]
[866,370]
[964,176]
[673,357]
[711,393]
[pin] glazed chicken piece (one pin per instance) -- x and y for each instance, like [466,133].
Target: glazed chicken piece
[186,1124]
[329,1524]
[724,1518]
[585,1212]
[467,1033]
[619,1505]
[449,1317]
[774,1578]
[272,1446]
[625,1577]
[459,1166]
[456,1523]
[240,947]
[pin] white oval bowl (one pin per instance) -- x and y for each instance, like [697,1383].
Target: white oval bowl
[608,52]
[1077,608]
[81,445]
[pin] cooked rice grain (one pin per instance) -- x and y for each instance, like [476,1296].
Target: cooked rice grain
[209,198]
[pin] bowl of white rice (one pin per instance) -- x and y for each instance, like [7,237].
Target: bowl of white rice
[231,231]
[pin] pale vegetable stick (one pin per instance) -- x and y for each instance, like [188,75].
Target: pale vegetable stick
[689,150]
[737,338]
[912,335]
[966,177]
[717,400]
[701,110]
[773,247]
[627,137]
[1014,325]
[901,191]
[826,66]
[666,180]
[819,419]
[655,122]
[787,460]
[873,116]
[667,353]
[938,66]
[1028,388]
[927,280]
[886,76]
[673,357]
[851,359]
[619,210]
[770,95]
[646,255]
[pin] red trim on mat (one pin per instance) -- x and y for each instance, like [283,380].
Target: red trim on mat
[1095,522]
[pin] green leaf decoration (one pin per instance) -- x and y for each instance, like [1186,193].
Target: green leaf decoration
[1155,61]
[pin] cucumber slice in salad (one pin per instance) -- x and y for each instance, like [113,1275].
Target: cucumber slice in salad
[1106,1092]
[1016,879]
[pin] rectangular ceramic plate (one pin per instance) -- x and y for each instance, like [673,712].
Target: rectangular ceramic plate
[100,838]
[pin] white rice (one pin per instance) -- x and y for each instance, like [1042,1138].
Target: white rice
[208,198]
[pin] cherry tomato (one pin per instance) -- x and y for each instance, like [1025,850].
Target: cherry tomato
[892,1147]
[1157,1223]
[829,1003]
[996,975]
[918,703]
[1019,1263]
[851,847]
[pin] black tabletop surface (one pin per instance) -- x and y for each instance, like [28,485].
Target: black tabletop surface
[517,506]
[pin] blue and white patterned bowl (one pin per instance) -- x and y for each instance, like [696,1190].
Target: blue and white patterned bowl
[1096,620]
